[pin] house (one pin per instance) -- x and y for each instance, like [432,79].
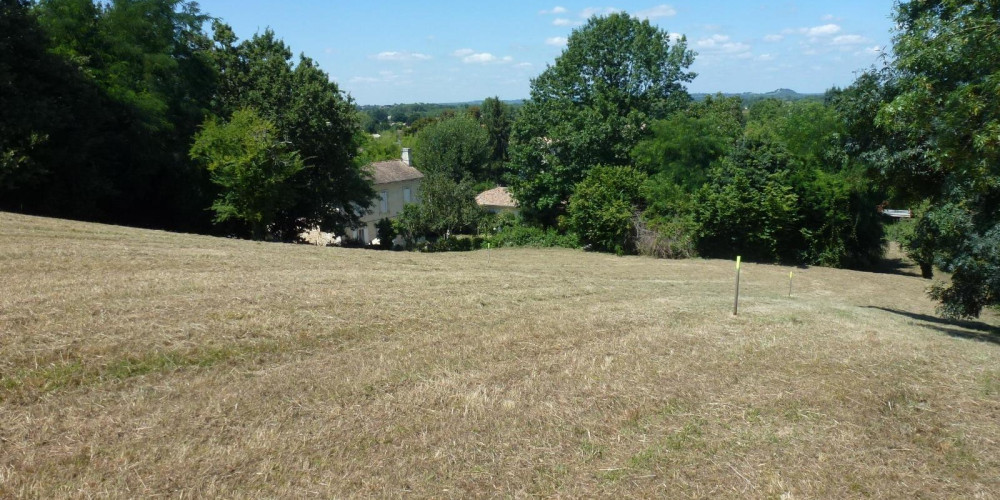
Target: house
[397,184]
[497,200]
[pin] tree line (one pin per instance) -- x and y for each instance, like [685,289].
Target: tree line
[150,113]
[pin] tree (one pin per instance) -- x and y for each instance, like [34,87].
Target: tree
[748,207]
[603,206]
[251,165]
[942,109]
[497,117]
[456,147]
[615,76]
[115,90]
[311,114]
[682,148]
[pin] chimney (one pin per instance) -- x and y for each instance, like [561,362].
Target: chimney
[406,156]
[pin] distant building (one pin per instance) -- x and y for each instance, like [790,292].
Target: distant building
[497,200]
[397,184]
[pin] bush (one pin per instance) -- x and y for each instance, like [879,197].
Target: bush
[666,239]
[520,235]
[386,231]
[455,244]
[603,205]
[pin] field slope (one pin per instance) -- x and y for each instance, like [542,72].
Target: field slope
[137,363]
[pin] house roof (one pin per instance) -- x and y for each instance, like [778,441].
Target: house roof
[385,172]
[496,197]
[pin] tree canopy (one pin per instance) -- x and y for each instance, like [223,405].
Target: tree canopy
[592,106]
[937,112]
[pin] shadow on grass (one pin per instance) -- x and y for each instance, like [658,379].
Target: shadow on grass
[897,266]
[980,331]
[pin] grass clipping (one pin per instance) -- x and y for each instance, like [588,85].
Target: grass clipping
[137,363]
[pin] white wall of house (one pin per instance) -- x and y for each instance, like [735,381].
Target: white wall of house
[390,199]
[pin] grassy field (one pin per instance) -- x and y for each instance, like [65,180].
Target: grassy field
[139,363]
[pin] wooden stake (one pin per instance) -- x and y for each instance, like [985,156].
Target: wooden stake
[736,301]
[789,283]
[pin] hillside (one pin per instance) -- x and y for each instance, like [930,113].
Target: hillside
[137,362]
[752,97]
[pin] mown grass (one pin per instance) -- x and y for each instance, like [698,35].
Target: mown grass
[140,363]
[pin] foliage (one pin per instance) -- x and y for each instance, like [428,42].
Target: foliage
[747,208]
[662,238]
[592,107]
[311,113]
[99,107]
[446,207]
[251,165]
[936,117]
[457,147]
[523,235]
[683,147]
[497,117]
[603,205]
[386,231]
[378,149]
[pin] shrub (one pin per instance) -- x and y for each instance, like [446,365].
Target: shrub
[602,207]
[386,231]
[665,238]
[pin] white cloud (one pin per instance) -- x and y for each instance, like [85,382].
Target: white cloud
[850,40]
[401,56]
[765,57]
[722,44]
[675,37]
[523,65]
[364,79]
[597,11]
[560,21]
[480,57]
[554,10]
[824,30]
[556,40]
[873,50]
[829,17]
[773,38]
[470,56]
[662,10]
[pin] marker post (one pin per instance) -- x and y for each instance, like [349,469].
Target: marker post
[736,301]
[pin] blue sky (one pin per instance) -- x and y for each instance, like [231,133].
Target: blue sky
[384,52]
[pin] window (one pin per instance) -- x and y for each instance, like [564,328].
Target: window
[406,195]
[384,196]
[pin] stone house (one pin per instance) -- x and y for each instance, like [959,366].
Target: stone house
[397,184]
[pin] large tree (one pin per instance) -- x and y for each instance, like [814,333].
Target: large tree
[456,147]
[309,112]
[592,106]
[100,101]
[251,165]
[944,110]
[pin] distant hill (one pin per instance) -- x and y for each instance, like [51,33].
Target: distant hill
[752,97]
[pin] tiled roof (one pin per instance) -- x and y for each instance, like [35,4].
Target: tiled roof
[496,197]
[385,172]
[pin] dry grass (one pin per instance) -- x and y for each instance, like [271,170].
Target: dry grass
[139,363]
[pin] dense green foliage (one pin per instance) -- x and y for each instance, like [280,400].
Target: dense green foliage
[456,147]
[251,165]
[603,206]
[592,106]
[928,127]
[102,102]
[308,111]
